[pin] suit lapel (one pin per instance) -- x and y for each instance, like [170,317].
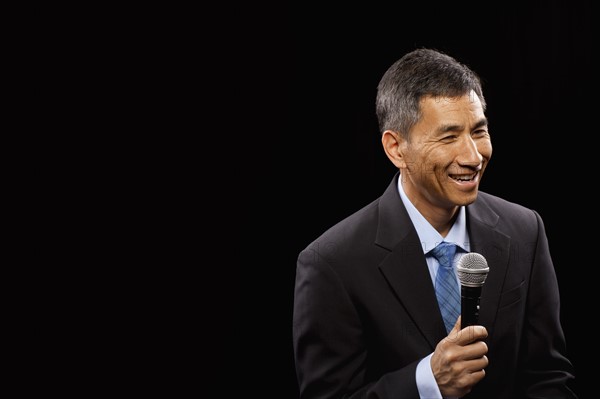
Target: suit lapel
[407,274]
[494,246]
[405,268]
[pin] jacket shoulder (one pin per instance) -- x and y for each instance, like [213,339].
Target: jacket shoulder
[348,233]
[509,213]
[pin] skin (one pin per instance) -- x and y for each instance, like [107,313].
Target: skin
[441,166]
[459,361]
[450,140]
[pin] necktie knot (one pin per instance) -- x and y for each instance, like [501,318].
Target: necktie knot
[444,253]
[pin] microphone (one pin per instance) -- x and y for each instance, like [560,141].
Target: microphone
[472,270]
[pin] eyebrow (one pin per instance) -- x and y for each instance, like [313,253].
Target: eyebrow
[453,128]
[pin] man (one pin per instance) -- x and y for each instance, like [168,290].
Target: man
[367,322]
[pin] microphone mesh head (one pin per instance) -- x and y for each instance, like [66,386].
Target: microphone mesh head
[472,269]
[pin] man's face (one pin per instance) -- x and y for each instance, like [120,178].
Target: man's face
[447,152]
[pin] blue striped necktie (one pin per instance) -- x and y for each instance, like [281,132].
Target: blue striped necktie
[446,286]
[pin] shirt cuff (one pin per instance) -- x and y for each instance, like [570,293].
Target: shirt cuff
[426,384]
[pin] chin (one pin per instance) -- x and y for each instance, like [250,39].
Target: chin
[464,199]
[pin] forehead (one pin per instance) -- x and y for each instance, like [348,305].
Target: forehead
[439,106]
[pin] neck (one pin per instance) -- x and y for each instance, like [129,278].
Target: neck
[441,219]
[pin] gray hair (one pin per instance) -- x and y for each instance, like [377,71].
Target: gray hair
[422,72]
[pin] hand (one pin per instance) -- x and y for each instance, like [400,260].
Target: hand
[459,360]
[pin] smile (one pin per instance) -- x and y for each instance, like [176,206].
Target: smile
[467,177]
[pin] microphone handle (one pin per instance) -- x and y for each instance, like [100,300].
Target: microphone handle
[469,304]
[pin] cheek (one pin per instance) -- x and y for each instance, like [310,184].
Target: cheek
[485,149]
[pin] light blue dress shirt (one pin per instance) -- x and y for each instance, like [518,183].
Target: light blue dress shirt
[429,238]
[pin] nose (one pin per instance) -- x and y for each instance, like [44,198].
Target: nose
[469,154]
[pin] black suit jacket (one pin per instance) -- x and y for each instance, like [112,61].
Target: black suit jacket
[365,310]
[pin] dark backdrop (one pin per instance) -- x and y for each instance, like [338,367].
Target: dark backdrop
[316,155]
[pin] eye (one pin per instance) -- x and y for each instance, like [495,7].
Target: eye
[480,133]
[448,138]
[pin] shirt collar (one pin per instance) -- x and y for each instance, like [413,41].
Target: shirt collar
[429,236]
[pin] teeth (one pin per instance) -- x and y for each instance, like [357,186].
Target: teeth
[463,177]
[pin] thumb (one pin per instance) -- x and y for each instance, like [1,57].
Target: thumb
[454,333]
[457,324]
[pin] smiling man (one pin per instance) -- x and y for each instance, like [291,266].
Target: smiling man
[372,316]
[442,160]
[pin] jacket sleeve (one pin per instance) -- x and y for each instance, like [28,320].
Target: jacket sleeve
[329,340]
[547,372]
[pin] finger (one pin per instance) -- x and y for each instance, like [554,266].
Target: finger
[476,364]
[476,333]
[474,350]
[468,334]
[453,335]
[471,351]
[457,324]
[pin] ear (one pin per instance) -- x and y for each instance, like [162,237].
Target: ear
[394,146]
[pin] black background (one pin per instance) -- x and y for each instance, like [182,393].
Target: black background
[312,155]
